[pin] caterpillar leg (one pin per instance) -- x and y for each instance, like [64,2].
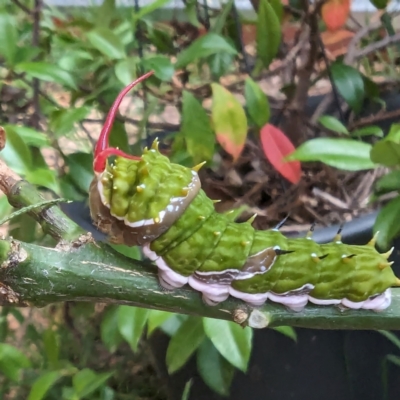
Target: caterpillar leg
[295,300]
[213,293]
[255,300]
[324,302]
[168,278]
[375,303]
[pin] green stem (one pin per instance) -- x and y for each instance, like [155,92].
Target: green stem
[27,209]
[52,219]
[32,275]
[387,23]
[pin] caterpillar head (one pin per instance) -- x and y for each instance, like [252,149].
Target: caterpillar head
[136,199]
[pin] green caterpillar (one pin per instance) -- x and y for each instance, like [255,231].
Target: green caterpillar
[151,202]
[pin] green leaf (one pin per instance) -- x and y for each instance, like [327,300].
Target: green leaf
[24,228]
[287,331]
[371,88]
[394,133]
[47,72]
[30,136]
[43,177]
[9,37]
[156,319]
[220,64]
[350,155]
[186,390]
[131,324]
[229,120]
[105,13]
[16,153]
[63,121]
[220,21]
[388,183]
[12,361]
[191,12]
[196,129]
[51,347]
[380,4]
[107,393]
[68,393]
[75,59]
[5,207]
[387,223]
[149,9]
[277,5]
[26,53]
[107,43]
[231,340]
[392,337]
[393,359]
[128,251]
[215,371]
[81,169]
[211,43]
[42,384]
[160,36]
[171,325]
[125,32]
[268,33]
[367,131]
[110,335]
[162,66]
[184,343]
[333,124]
[119,137]
[387,150]
[87,381]
[257,103]
[125,70]
[350,84]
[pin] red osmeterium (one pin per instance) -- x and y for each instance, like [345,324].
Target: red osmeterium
[102,149]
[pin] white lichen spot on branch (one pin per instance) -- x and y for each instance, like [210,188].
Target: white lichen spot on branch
[259,319]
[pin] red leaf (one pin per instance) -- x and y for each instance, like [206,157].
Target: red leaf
[335,13]
[276,146]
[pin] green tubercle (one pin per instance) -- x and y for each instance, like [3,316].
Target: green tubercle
[140,190]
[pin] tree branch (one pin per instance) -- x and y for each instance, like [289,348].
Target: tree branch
[22,194]
[32,275]
[294,126]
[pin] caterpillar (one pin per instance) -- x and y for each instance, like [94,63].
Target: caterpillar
[150,202]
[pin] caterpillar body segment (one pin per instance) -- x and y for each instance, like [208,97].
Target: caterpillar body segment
[161,206]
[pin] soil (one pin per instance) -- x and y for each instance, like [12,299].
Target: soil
[324,196]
